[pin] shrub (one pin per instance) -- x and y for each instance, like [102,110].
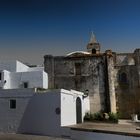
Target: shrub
[113,117]
[98,116]
[91,117]
[88,117]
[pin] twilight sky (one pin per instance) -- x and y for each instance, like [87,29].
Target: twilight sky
[29,29]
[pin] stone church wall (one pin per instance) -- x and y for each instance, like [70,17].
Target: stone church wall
[86,74]
[127,87]
[106,76]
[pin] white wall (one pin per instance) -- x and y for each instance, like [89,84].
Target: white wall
[45,80]
[68,109]
[83,135]
[10,118]
[86,105]
[5,81]
[40,116]
[20,67]
[35,79]
[36,112]
[84,101]
[68,106]
[16,73]
[36,69]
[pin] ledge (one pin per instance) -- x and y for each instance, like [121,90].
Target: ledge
[108,128]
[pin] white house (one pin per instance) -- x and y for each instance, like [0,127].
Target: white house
[15,75]
[23,109]
[47,113]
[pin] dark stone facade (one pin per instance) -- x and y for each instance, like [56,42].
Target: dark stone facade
[112,79]
[87,72]
[127,83]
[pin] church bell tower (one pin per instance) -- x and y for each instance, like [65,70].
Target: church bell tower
[93,46]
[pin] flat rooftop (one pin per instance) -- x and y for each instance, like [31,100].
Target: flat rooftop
[110,128]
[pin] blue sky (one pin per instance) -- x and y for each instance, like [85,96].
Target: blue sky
[29,29]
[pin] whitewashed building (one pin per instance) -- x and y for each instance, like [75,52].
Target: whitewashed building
[25,109]
[16,75]
[46,113]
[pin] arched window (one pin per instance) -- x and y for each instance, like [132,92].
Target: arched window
[123,77]
[93,51]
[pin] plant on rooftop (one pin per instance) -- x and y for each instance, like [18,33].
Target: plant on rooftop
[41,89]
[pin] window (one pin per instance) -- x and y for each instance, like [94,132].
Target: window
[78,68]
[25,84]
[0,75]
[93,51]
[123,78]
[12,104]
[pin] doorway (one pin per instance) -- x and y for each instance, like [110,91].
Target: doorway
[78,110]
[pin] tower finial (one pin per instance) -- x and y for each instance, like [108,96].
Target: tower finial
[92,38]
[93,46]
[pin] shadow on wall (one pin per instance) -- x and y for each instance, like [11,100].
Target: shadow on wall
[40,116]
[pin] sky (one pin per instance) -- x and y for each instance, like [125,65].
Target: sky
[30,29]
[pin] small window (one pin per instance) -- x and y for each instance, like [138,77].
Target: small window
[12,104]
[25,84]
[0,75]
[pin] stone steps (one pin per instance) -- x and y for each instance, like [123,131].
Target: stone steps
[124,121]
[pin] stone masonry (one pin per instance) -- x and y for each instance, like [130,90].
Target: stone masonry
[111,79]
[91,72]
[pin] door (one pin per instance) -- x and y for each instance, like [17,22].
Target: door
[78,110]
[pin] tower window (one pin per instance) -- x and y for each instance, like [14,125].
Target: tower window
[12,104]
[93,51]
[78,68]
[25,84]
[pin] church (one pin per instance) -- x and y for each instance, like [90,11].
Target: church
[110,79]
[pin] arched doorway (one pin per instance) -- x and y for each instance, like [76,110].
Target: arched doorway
[78,110]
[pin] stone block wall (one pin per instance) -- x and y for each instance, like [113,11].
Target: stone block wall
[79,73]
[127,91]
